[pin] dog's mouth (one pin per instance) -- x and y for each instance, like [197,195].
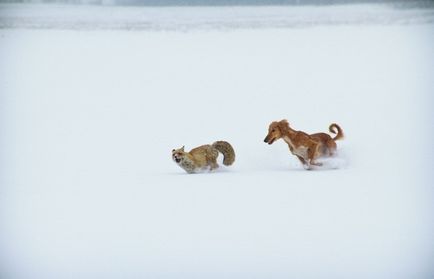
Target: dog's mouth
[269,141]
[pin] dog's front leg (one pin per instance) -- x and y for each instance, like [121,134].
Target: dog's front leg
[302,160]
[307,166]
[313,163]
[305,163]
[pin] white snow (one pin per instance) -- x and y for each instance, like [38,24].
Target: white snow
[88,119]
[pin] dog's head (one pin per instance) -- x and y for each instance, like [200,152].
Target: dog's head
[275,131]
[178,155]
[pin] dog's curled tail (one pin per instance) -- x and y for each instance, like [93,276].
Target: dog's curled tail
[226,149]
[339,134]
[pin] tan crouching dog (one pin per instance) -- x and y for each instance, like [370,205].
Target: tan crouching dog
[204,156]
[306,147]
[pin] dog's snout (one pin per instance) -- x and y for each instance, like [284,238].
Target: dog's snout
[266,139]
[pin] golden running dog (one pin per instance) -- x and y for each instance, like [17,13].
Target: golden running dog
[306,147]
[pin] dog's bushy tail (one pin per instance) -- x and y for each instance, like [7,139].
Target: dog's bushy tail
[339,134]
[226,149]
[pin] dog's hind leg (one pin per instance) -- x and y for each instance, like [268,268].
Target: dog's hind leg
[313,153]
[331,146]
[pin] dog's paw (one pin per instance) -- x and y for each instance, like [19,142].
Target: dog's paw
[307,167]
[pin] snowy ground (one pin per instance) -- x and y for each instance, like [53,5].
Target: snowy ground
[89,118]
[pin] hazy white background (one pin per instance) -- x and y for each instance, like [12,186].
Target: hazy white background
[91,108]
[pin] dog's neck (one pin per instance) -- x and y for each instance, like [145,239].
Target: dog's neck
[288,135]
[287,131]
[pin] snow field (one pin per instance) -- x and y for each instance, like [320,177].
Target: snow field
[89,119]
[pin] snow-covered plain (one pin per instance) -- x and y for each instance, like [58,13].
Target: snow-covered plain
[89,118]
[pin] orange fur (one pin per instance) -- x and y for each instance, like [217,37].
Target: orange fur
[306,147]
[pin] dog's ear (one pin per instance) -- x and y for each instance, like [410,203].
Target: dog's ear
[284,122]
[182,148]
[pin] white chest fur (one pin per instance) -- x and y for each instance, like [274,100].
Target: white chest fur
[300,150]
